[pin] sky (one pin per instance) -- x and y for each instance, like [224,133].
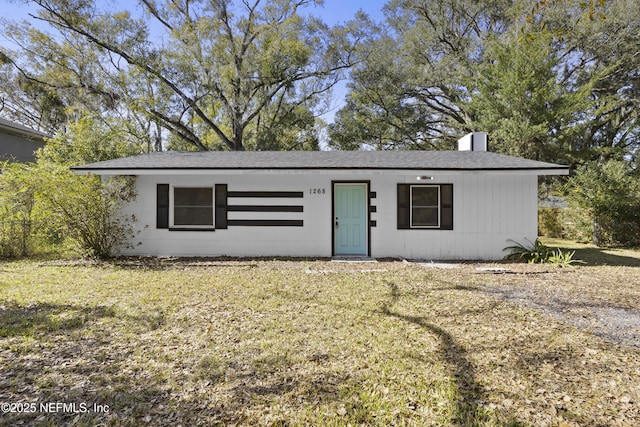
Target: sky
[339,11]
[332,12]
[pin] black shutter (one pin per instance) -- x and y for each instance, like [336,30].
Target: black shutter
[221,206]
[162,202]
[446,207]
[404,206]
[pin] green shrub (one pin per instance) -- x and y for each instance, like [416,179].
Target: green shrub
[605,202]
[578,225]
[17,201]
[538,253]
[533,253]
[563,259]
[550,222]
[44,206]
[87,208]
[14,238]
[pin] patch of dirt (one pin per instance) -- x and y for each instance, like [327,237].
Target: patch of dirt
[618,325]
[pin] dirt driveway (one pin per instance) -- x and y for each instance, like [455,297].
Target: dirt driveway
[601,297]
[616,324]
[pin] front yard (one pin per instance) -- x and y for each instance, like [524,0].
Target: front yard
[275,343]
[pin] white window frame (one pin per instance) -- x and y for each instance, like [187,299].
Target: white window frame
[437,206]
[172,207]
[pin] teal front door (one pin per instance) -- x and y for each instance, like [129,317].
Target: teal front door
[350,219]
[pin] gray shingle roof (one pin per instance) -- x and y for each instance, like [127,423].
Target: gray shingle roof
[17,128]
[431,160]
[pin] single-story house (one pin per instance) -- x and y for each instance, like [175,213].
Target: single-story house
[19,143]
[464,204]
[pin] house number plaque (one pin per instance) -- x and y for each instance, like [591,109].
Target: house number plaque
[317,191]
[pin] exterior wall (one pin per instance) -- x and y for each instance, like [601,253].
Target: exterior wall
[17,148]
[489,209]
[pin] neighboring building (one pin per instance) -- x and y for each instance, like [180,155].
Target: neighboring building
[19,143]
[465,204]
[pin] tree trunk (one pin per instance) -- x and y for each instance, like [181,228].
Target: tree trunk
[238,133]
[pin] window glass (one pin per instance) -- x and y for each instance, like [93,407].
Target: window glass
[425,209]
[193,206]
[425,196]
[425,217]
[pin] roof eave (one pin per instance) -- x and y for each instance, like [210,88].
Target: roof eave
[25,133]
[552,170]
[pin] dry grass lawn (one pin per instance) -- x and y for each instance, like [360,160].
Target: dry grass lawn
[279,343]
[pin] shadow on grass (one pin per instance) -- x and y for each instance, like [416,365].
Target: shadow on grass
[17,320]
[45,318]
[599,256]
[65,356]
[54,365]
[471,396]
[469,410]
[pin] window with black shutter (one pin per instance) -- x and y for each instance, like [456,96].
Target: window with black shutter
[425,206]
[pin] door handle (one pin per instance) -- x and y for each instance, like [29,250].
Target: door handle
[337,224]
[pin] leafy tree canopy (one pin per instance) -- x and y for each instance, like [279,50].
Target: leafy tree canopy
[215,74]
[553,80]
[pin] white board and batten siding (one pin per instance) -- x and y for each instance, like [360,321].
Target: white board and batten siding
[471,203]
[489,208]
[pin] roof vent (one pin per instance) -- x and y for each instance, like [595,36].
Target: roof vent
[474,141]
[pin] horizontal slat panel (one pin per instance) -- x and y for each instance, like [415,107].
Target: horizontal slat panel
[265,215]
[266,194]
[265,208]
[266,223]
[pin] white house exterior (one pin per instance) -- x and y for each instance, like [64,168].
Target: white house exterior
[415,204]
